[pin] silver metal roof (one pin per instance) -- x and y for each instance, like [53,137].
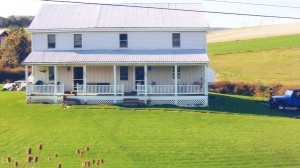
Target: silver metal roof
[105,16]
[117,56]
[2,31]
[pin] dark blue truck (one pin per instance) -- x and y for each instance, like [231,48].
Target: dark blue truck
[291,98]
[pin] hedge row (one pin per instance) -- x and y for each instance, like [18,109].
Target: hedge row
[11,75]
[250,89]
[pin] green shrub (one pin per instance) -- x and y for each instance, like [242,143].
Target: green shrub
[10,75]
[249,89]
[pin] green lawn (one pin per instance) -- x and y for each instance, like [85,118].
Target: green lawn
[254,44]
[272,66]
[234,132]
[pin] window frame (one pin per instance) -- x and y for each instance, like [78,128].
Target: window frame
[74,38]
[51,73]
[49,43]
[121,41]
[124,75]
[176,42]
[178,73]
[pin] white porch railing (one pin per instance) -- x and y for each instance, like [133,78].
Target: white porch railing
[100,89]
[170,89]
[46,89]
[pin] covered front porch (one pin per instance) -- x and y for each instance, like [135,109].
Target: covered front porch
[100,82]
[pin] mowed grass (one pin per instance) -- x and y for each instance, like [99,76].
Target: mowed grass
[254,44]
[233,132]
[272,66]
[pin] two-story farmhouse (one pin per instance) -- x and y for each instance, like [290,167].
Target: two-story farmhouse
[103,54]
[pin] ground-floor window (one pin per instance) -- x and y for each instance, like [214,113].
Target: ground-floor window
[178,72]
[123,73]
[51,73]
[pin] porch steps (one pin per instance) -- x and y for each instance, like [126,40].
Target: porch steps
[128,102]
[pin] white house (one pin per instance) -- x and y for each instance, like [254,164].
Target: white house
[103,54]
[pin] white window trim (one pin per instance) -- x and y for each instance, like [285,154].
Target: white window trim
[55,42]
[123,40]
[179,41]
[74,41]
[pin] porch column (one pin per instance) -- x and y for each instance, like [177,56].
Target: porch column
[176,83]
[55,80]
[26,79]
[205,83]
[84,79]
[115,80]
[146,79]
[176,78]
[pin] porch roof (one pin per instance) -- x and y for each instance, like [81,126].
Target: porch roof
[117,57]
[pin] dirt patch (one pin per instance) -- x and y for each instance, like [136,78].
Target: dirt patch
[253,32]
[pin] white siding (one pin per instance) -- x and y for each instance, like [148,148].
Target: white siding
[163,75]
[44,77]
[110,40]
[128,85]
[65,76]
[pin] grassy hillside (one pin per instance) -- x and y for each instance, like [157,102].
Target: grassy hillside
[253,32]
[239,133]
[254,44]
[273,66]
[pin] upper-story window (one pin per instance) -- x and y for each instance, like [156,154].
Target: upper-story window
[123,41]
[175,40]
[51,40]
[77,40]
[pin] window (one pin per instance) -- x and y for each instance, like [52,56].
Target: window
[51,73]
[123,41]
[176,40]
[51,40]
[77,40]
[124,73]
[178,72]
[2,39]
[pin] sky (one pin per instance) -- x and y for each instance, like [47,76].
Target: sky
[31,7]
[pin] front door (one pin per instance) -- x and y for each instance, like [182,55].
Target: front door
[77,77]
[139,76]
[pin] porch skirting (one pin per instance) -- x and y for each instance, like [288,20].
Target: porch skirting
[181,101]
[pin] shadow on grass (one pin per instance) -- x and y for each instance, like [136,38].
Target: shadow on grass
[239,105]
[219,103]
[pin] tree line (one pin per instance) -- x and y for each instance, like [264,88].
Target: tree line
[20,21]
[15,48]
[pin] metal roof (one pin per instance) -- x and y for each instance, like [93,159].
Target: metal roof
[117,56]
[53,16]
[2,31]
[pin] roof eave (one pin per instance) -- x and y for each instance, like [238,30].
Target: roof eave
[116,63]
[118,29]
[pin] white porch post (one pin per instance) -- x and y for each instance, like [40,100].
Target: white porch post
[146,79]
[206,79]
[26,78]
[84,79]
[55,80]
[176,83]
[176,78]
[115,80]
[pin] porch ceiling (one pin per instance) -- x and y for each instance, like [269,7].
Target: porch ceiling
[117,57]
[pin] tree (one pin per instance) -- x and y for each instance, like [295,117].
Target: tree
[15,48]
[21,21]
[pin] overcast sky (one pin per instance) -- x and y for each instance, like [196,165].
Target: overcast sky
[31,7]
